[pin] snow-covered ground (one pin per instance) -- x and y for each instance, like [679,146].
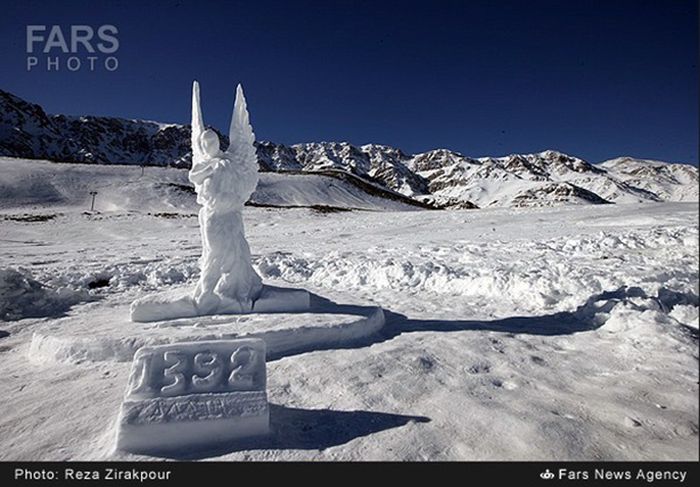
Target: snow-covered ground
[551,333]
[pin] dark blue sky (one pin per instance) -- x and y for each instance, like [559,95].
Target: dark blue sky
[595,79]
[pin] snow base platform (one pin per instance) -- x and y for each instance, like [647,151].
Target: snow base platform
[107,334]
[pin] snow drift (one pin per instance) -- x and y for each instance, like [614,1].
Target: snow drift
[23,297]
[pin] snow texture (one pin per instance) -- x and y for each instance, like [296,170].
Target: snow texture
[565,333]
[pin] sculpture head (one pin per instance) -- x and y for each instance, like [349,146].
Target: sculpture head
[210,143]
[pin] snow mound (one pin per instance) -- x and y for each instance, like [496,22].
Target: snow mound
[645,319]
[21,296]
[510,273]
[121,276]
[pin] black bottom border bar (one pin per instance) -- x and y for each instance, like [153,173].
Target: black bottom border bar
[517,473]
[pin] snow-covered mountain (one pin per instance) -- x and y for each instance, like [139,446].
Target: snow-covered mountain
[670,182]
[542,179]
[439,177]
[381,164]
[27,131]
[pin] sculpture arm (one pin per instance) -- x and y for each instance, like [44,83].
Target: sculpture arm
[202,172]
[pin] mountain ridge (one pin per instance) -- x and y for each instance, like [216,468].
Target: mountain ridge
[439,177]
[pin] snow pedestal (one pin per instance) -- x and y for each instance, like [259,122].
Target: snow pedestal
[170,306]
[186,396]
[175,305]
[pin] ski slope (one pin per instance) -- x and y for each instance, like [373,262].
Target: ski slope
[29,183]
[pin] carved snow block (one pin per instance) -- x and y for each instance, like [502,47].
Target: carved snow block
[194,395]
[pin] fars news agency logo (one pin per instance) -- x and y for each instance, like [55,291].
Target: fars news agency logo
[72,48]
[547,475]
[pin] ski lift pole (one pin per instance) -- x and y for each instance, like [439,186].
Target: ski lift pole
[92,205]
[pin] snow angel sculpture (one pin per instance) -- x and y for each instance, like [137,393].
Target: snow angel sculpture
[224,181]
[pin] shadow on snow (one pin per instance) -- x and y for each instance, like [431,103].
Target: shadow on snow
[308,429]
[562,323]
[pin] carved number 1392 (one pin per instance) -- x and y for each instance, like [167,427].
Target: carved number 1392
[207,371]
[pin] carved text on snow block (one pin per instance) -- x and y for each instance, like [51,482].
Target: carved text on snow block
[196,394]
[198,367]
